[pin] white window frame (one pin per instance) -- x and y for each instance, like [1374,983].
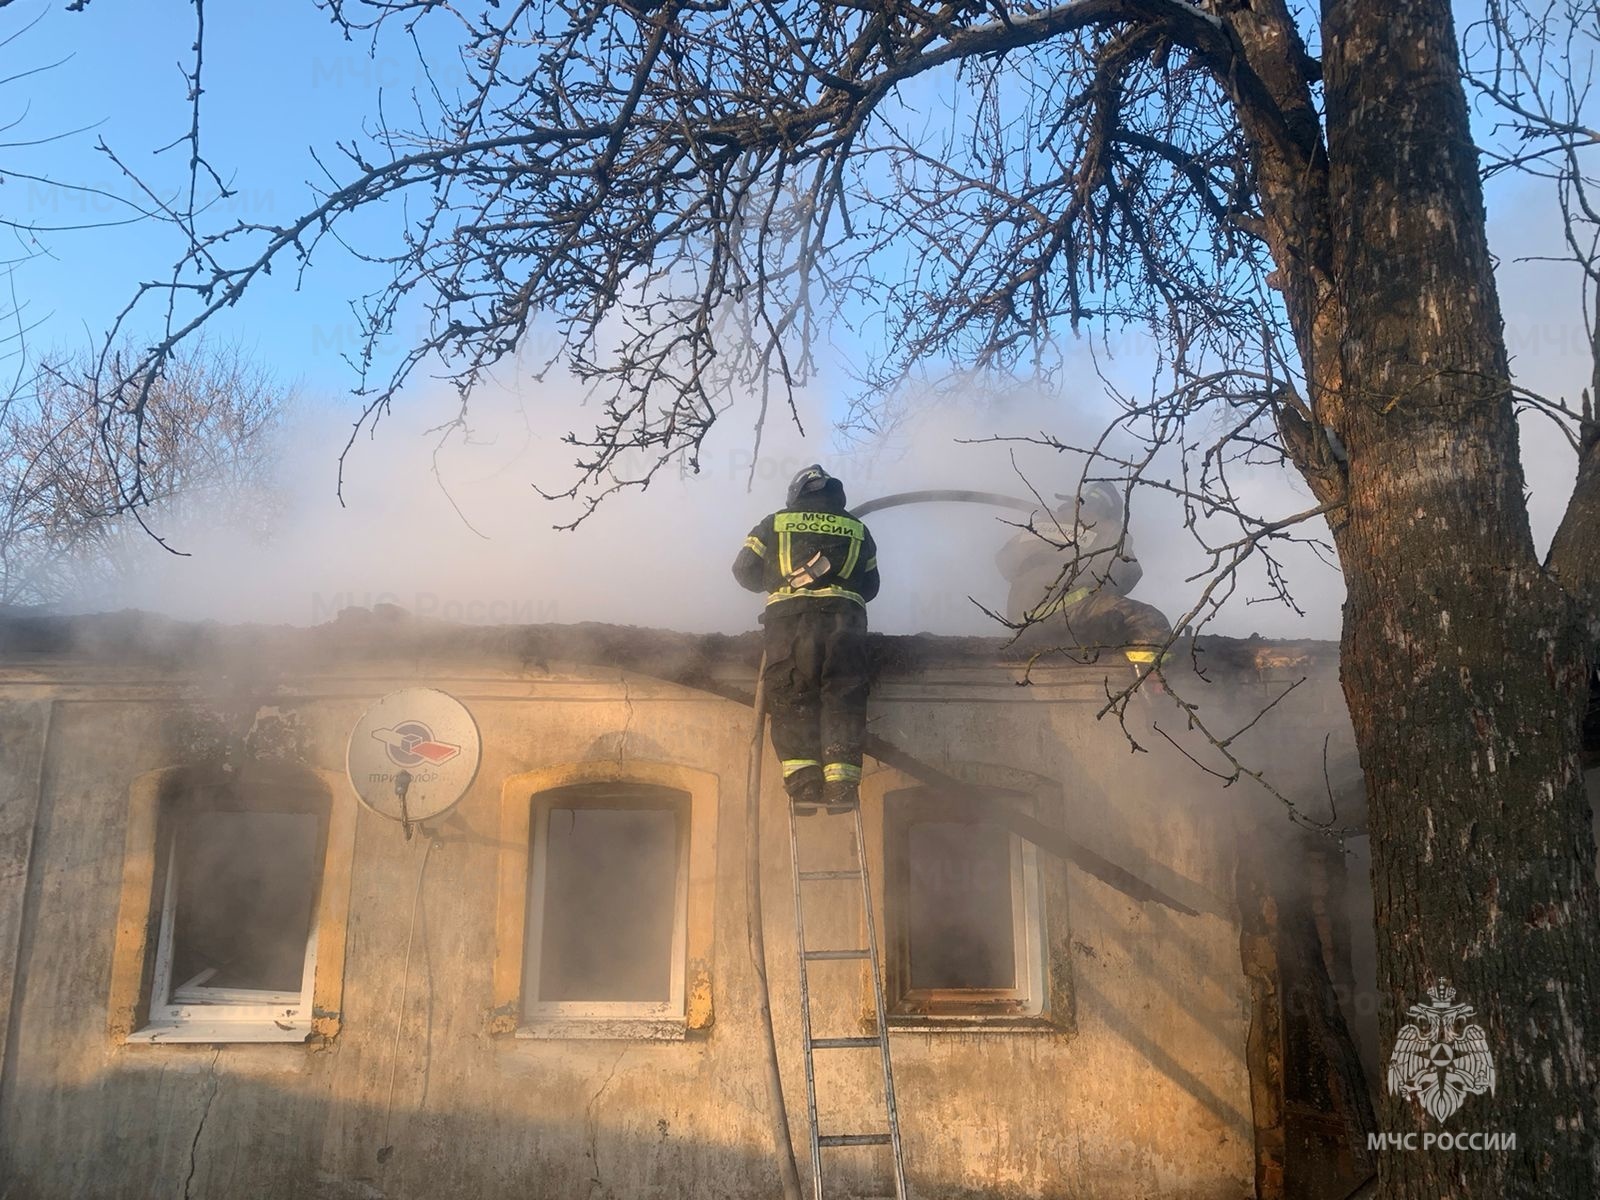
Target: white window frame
[545,1018]
[1027,999]
[191,1012]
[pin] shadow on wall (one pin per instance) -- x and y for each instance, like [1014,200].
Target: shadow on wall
[1143,1039]
[189,1129]
[195,1128]
[1197,1011]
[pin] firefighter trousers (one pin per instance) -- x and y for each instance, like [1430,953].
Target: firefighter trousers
[816,684]
[1102,620]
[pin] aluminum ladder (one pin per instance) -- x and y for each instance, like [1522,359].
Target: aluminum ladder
[810,1044]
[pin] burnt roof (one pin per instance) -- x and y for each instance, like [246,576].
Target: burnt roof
[357,635]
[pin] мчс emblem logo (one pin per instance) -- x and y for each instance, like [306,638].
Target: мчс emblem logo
[412,744]
[1440,1060]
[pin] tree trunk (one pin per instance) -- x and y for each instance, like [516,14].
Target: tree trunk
[1464,662]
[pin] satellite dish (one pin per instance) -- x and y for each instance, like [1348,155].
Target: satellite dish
[413,754]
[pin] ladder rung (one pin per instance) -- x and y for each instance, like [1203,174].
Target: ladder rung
[836,954]
[830,874]
[853,1139]
[844,1043]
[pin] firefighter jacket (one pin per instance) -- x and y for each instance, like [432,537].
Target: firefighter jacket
[1037,566]
[788,539]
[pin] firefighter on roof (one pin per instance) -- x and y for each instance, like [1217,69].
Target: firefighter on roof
[1070,576]
[819,567]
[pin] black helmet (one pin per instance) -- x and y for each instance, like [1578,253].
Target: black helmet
[1101,499]
[1097,502]
[810,482]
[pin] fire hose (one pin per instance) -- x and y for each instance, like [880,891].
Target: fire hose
[933,495]
[777,1111]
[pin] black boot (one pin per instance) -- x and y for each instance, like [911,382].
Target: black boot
[841,795]
[805,790]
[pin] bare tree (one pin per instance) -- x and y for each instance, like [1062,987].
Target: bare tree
[1287,201]
[67,528]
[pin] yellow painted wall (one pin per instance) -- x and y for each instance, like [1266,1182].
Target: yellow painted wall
[1142,1090]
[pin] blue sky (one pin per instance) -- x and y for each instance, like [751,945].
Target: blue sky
[279,81]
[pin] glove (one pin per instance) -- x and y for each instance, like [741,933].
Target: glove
[814,571]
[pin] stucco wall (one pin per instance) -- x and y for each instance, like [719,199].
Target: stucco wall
[1145,1094]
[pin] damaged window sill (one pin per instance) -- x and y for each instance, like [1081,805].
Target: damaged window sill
[974,1024]
[217,1031]
[624,1029]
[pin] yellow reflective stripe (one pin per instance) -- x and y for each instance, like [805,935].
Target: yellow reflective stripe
[827,524]
[840,772]
[791,765]
[872,564]
[850,559]
[1147,656]
[755,545]
[814,593]
[1054,606]
[785,556]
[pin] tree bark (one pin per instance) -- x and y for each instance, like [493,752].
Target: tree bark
[1464,662]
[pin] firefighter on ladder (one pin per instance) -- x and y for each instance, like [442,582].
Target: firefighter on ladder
[1070,580]
[819,567]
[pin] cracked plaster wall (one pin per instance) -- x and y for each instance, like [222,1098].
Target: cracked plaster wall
[1148,1094]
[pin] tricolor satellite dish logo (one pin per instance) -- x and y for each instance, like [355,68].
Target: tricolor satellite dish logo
[412,744]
